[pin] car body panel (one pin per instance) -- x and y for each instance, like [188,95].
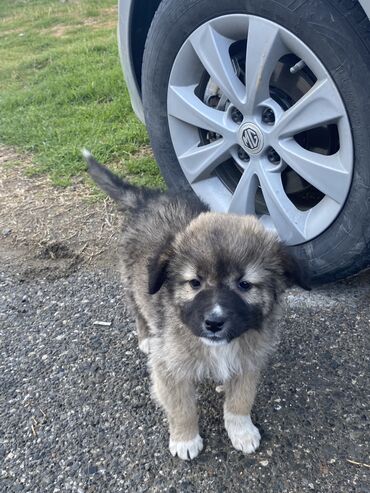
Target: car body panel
[125,10]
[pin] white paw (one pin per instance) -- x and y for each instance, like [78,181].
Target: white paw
[243,434]
[186,450]
[144,345]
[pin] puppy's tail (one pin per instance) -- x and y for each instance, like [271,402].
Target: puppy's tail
[128,196]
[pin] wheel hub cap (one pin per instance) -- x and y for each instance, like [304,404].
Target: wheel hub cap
[251,138]
[251,135]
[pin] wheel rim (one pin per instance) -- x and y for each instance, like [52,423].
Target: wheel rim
[255,138]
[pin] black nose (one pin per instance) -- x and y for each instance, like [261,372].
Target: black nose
[214,323]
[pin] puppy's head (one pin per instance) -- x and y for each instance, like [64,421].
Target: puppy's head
[224,275]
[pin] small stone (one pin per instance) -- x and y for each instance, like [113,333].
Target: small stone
[264,463]
[91,470]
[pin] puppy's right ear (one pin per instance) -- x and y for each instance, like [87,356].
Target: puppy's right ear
[158,265]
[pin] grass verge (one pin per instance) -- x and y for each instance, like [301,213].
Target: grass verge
[62,88]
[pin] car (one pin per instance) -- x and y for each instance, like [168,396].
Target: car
[262,107]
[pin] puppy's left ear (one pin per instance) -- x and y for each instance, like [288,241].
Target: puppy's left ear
[294,271]
[158,265]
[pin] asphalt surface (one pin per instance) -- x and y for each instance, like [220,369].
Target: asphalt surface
[76,415]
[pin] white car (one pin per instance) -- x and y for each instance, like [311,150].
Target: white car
[262,107]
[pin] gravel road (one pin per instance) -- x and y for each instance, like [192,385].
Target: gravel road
[76,415]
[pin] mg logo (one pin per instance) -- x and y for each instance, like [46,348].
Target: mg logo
[251,138]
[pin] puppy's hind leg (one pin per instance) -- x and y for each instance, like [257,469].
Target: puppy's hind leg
[143,334]
[240,393]
[179,401]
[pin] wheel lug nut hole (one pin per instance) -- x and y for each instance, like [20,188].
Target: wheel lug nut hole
[268,116]
[273,156]
[236,116]
[243,156]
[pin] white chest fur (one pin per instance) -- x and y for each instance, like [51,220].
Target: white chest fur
[224,361]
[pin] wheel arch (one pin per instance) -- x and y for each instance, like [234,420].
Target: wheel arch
[134,19]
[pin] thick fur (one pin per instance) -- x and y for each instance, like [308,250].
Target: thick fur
[205,290]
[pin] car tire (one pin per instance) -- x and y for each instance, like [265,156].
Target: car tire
[338,33]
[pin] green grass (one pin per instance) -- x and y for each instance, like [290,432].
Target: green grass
[62,88]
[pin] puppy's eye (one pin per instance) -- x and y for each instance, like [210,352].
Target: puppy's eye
[194,283]
[244,285]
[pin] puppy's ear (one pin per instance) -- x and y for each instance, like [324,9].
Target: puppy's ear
[158,265]
[294,271]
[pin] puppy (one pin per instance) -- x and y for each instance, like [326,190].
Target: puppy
[205,290]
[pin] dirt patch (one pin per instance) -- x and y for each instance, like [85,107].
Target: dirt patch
[144,151]
[61,30]
[51,230]
[58,31]
[100,23]
[110,10]
[9,32]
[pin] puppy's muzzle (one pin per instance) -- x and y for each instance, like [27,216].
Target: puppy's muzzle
[213,323]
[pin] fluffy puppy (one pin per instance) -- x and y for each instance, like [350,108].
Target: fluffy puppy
[205,290]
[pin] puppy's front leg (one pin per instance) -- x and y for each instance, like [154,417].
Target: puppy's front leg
[240,392]
[143,334]
[179,401]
